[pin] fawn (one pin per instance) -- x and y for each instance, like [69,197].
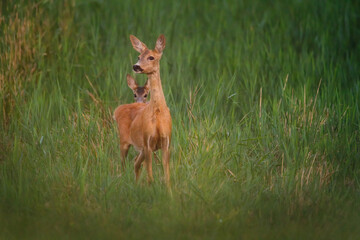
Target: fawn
[140,96]
[124,115]
[140,93]
[147,126]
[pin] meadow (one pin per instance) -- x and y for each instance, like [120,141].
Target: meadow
[264,97]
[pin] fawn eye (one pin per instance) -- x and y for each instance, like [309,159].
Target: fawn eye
[151,58]
[135,95]
[145,95]
[138,58]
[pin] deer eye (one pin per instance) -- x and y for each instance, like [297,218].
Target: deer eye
[138,58]
[135,95]
[145,95]
[151,58]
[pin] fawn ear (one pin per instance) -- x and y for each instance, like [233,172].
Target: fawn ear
[147,85]
[131,82]
[160,44]
[137,44]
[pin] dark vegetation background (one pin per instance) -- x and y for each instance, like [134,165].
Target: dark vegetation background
[264,97]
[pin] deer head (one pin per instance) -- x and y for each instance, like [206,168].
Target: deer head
[148,60]
[140,93]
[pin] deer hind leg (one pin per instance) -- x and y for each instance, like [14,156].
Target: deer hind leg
[124,148]
[137,164]
[165,147]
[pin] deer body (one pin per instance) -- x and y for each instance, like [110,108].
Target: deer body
[125,114]
[150,124]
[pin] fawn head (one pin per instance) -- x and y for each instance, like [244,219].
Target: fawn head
[148,60]
[140,93]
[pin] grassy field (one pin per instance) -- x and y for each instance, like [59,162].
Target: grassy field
[264,97]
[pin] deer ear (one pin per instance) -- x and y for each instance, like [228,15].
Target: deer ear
[147,85]
[137,44]
[131,82]
[160,44]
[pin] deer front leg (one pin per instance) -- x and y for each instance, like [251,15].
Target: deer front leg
[148,165]
[165,147]
[137,165]
[124,148]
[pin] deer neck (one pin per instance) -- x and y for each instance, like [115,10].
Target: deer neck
[157,99]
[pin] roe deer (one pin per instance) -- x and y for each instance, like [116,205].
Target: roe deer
[140,93]
[147,126]
[124,115]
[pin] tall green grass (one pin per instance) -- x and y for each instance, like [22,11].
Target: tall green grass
[264,97]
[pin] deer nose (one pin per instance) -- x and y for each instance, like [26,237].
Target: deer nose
[137,68]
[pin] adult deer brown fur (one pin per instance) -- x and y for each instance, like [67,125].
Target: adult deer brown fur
[149,126]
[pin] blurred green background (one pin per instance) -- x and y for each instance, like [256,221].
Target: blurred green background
[264,97]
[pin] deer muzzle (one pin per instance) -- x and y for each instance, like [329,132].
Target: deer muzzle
[137,68]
